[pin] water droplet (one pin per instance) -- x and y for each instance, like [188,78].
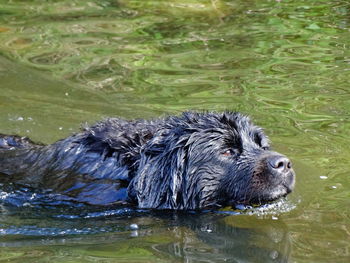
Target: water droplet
[274,254]
[134,227]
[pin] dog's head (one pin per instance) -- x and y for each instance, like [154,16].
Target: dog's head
[202,160]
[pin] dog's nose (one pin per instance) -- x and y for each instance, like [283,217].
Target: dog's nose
[279,163]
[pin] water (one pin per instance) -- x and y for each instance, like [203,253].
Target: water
[285,63]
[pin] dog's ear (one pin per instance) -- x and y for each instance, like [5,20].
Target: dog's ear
[176,170]
[159,179]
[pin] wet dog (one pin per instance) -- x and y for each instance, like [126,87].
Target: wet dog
[191,161]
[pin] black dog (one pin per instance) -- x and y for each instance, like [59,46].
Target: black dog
[192,161]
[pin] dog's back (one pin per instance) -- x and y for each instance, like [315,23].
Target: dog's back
[94,166]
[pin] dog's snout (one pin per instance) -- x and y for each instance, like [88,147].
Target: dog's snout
[279,163]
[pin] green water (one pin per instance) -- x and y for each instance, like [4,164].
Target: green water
[285,63]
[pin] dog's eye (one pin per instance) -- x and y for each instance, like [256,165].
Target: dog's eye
[230,152]
[265,148]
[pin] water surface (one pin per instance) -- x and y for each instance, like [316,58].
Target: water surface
[285,63]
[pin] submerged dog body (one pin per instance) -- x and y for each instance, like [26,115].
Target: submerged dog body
[192,161]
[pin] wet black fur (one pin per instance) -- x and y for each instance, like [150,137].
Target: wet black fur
[191,161]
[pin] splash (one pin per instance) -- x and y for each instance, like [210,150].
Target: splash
[273,210]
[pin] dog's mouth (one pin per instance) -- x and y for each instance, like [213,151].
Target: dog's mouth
[269,195]
[277,185]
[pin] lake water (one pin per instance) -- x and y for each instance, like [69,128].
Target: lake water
[286,63]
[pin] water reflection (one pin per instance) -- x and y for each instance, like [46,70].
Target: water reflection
[205,237]
[230,239]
